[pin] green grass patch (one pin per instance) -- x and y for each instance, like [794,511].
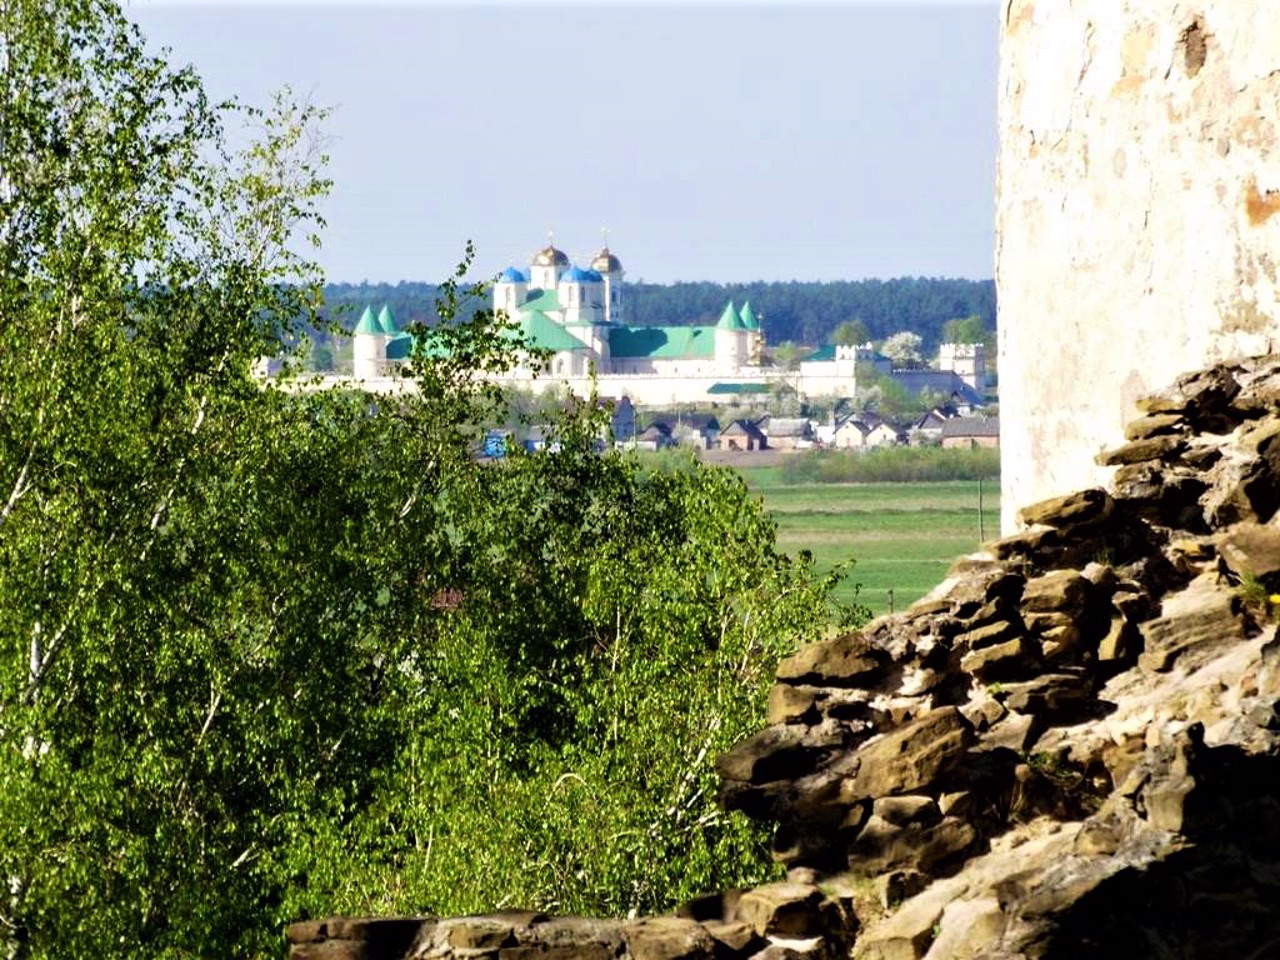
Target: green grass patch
[902,536]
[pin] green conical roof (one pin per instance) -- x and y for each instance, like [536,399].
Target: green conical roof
[729,320]
[367,324]
[387,322]
[748,317]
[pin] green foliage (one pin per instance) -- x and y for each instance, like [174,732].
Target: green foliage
[613,631]
[809,312]
[890,398]
[892,465]
[267,652]
[851,333]
[903,348]
[966,330]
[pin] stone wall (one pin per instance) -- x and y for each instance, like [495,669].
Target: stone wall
[1137,237]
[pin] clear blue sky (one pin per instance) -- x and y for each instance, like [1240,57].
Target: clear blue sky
[726,142]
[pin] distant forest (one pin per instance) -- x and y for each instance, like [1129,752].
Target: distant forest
[803,312]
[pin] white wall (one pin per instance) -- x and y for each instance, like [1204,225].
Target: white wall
[1138,215]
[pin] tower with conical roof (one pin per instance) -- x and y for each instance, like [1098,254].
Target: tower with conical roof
[368,347]
[731,340]
[755,341]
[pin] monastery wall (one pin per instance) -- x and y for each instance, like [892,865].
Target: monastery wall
[1137,190]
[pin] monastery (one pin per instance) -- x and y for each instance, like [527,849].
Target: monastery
[579,317]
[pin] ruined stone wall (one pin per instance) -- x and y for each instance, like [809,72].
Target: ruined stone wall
[1137,236]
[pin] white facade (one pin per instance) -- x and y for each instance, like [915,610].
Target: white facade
[1137,217]
[968,361]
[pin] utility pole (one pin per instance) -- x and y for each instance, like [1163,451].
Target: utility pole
[982,530]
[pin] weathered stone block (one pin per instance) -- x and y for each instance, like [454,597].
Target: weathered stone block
[1122,643]
[1015,732]
[1010,660]
[736,936]
[668,938]
[775,753]
[988,635]
[478,933]
[792,704]
[1053,696]
[1153,425]
[1074,509]
[783,910]
[354,938]
[910,757]
[1059,590]
[1193,623]
[586,950]
[1165,447]
[1246,488]
[847,660]
[1251,551]
[967,929]
[897,885]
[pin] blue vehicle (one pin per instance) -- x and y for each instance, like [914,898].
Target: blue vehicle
[495,444]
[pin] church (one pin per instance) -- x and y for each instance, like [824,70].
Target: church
[577,316]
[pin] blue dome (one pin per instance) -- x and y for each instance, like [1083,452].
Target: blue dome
[578,275]
[512,275]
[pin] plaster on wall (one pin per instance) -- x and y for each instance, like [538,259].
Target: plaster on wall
[1137,189]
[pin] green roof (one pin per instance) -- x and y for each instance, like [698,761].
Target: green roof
[825,352]
[387,322]
[543,333]
[544,300]
[729,320]
[748,317]
[399,347]
[738,388]
[367,324]
[662,343]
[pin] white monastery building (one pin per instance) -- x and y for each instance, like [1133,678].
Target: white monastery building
[577,317]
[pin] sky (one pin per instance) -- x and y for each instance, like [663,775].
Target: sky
[723,141]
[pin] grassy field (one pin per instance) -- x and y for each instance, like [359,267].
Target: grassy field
[902,536]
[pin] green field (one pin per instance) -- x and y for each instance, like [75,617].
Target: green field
[902,536]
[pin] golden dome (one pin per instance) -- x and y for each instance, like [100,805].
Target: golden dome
[606,262]
[550,257]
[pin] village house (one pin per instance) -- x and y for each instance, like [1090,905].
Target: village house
[656,436]
[742,435]
[971,432]
[788,433]
[927,429]
[696,430]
